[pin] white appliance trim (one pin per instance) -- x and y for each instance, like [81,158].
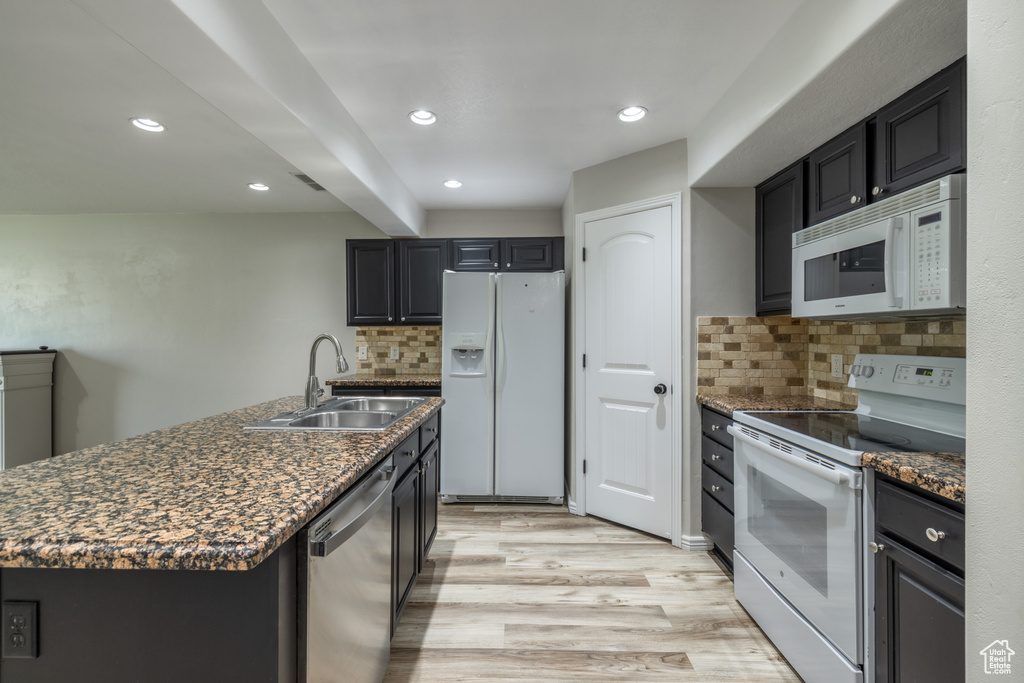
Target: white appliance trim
[680,371]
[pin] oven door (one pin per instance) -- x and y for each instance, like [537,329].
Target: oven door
[853,273]
[798,523]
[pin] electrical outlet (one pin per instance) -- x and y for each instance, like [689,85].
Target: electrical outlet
[20,630]
[361,353]
[837,365]
[394,353]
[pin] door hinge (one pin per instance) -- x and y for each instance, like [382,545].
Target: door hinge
[584,253]
[584,360]
[584,467]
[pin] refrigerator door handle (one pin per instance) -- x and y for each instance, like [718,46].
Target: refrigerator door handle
[499,331]
[493,322]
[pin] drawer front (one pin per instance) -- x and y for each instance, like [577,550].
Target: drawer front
[717,457]
[713,424]
[910,518]
[356,391]
[718,523]
[717,486]
[428,432]
[407,453]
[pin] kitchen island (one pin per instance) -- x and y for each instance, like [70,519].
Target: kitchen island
[172,554]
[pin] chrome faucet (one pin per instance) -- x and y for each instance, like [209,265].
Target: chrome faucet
[313,388]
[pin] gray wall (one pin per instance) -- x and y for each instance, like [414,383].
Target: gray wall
[494,223]
[995,390]
[161,319]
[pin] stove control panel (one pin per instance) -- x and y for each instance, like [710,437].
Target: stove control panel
[927,377]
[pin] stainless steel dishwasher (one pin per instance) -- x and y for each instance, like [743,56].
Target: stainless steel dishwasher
[344,609]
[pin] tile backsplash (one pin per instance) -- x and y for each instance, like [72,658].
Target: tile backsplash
[780,355]
[419,349]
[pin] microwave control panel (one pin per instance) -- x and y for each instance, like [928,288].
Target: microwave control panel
[936,243]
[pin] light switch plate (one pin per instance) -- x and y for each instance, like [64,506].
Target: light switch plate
[394,353]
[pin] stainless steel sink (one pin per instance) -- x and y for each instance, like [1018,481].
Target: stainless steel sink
[345,414]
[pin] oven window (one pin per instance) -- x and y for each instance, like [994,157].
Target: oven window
[852,272]
[791,525]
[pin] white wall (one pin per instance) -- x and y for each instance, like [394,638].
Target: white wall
[494,223]
[161,319]
[721,282]
[995,299]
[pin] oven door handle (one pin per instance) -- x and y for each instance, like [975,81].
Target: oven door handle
[888,276]
[841,477]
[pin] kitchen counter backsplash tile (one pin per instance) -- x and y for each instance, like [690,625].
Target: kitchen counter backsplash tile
[785,356]
[419,348]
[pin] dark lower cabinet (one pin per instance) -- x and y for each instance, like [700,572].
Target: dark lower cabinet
[717,518]
[923,134]
[421,264]
[779,213]
[919,588]
[404,542]
[837,175]
[430,469]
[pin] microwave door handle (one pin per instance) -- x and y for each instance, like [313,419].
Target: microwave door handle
[895,223]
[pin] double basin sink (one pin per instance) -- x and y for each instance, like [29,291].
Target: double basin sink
[349,414]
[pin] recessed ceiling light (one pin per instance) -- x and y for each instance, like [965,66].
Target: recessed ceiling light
[422,117]
[259,186]
[148,125]
[452,184]
[630,114]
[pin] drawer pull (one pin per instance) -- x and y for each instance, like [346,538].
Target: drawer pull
[716,488]
[715,428]
[716,456]
[876,547]
[411,454]
[933,535]
[432,429]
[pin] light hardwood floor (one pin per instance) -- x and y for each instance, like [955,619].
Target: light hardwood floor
[533,593]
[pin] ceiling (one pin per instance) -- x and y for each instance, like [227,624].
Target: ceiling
[526,92]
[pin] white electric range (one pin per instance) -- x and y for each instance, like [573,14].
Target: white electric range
[801,567]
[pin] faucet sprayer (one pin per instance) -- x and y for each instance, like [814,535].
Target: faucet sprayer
[313,389]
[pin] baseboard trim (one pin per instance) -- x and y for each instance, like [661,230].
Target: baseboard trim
[695,543]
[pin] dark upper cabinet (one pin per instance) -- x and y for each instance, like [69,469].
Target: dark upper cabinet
[837,175]
[779,213]
[540,254]
[922,135]
[371,282]
[421,264]
[475,255]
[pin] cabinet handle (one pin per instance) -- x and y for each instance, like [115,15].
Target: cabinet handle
[876,547]
[716,456]
[716,488]
[508,265]
[854,199]
[411,454]
[403,318]
[715,428]
[495,265]
[390,318]
[933,535]
[432,429]
[877,191]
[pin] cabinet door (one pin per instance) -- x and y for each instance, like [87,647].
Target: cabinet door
[537,254]
[922,135]
[404,543]
[919,618]
[474,255]
[719,525]
[837,176]
[421,264]
[429,484]
[371,277]
[779,213]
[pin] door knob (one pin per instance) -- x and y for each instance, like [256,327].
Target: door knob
[660,389]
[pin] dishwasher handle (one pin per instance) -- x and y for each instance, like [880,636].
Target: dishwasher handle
[328,544]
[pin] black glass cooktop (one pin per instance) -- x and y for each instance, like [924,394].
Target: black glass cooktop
[863,432]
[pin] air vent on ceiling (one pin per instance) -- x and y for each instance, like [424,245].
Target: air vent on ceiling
[309,181]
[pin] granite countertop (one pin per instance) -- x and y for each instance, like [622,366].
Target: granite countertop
[197,496]
[386,378]
[940,473]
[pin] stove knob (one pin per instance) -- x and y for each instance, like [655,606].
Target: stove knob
[867,370]
[855,370]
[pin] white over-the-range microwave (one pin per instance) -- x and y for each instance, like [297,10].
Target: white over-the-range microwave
[903,256]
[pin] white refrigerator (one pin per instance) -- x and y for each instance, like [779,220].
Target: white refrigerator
[503,382]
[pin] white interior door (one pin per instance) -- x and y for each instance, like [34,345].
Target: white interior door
[628,438]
